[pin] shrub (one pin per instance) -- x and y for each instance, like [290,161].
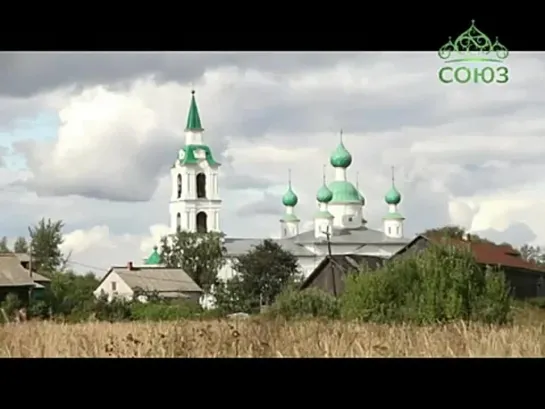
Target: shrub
[164,311]
[311,302]
[442,284]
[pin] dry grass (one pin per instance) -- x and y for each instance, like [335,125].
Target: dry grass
[268,339]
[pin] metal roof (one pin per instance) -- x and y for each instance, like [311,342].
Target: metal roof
[160,279]
[12,273]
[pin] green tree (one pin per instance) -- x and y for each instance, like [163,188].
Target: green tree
[200,255]
[532,253]
[262,274]
[46,239]
[455,232]
[20,245]
[4,245]
[71,294]
[442,284]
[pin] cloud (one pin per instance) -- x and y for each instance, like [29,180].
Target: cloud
[464,154]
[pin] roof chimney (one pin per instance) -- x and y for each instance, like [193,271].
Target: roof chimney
[129,265]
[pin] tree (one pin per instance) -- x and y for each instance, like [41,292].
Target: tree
[4,245]
[262,274]
[200,255]
[46,238]
[532,253]
[20,245]
[455,232]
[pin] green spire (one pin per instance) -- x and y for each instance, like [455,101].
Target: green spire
[393,197]
[289,198]
[340,158]
[154,257]
[193,118]
[324,195]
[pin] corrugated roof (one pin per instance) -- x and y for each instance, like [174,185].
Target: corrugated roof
[160,279]
[12,273]
[39,277]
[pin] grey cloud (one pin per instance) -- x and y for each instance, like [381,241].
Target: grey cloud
[268,205]
[244,182]
[26,74]
[516,234]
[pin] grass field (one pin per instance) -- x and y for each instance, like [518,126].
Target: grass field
[228,338]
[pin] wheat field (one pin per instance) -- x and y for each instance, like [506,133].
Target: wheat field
[251,338]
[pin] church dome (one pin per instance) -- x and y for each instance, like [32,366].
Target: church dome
[393,197]
[289,198]
[340,158]
[324,195]
[154,257]
[344,192]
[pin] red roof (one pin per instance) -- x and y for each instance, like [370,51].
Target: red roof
[495,254]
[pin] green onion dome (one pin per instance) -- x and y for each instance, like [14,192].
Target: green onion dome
[340,158]
[324,195]
[289,198]
[393,197]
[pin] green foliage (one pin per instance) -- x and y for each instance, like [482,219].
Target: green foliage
[71,294]
[534,254]
[9,307]
[441,284]
[20,245]
[200,255]
[164,311]
[4,245]
[262,274]
[454,232]
[46,239]
[311,302]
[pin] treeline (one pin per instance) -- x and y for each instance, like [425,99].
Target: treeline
[439,285]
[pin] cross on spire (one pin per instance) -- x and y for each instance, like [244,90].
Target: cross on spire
[358,180]
[289,178]
[341,136]
[393,176]
[323,173]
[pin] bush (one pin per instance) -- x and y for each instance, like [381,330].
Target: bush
[311,302]
[441,284]
[164,311]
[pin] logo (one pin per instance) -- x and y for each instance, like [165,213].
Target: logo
[473,58]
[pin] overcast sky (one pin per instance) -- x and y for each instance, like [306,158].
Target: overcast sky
[89,138]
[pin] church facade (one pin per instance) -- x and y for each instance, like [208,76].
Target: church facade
[339,225]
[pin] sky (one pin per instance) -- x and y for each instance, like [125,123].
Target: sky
[89,138]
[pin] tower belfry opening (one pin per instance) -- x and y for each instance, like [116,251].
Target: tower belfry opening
[179,186]
[201,186]
[202,220]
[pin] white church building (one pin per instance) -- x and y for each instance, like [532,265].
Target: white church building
[195,205]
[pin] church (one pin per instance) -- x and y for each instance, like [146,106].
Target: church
[339,225]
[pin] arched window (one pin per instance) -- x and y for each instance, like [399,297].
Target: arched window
[202,220]
[201,186]
[178,222]
[179,184]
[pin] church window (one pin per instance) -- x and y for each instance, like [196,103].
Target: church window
[201,186]
[350,220]
[114,286]
[178,222]
[397,229]
[389,230]
[202,219]
[179,186]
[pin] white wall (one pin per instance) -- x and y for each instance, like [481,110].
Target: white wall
[122,289]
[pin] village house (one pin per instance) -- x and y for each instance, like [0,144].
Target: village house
[130,280]
[15,278]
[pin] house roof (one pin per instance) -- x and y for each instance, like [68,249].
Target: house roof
[12,273]
[488,253]
[160,279]
[346,263]
[40,278]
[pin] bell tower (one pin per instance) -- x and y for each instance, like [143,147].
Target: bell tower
[195,203]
